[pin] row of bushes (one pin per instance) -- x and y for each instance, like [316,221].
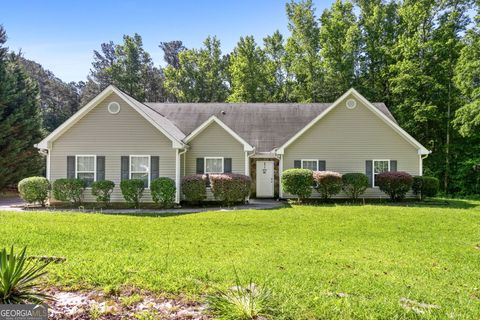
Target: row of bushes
[299,182]
[36,189]
[227,188]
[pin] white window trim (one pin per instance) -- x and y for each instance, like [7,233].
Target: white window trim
[373,169]
[314,160]
[94,166]
[205,165]
[149,166]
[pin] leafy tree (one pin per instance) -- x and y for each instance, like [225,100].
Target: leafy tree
[467,79]
[305,76]
[339,42]
[20,125]
[201,75]
[379,27]
[248,71]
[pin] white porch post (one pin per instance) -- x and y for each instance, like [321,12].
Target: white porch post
[48,165]
[247,164]
[177,175]
[420,165]
[280,173]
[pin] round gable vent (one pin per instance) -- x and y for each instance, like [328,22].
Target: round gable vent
[113,107]
[351,103]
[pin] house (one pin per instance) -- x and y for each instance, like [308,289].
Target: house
[115,137]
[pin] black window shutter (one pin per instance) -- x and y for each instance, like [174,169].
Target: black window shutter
[322,165]
[154,167]
[297,164]
[125,170]
[100,168]
[227,165]
[368,171]
[393,165]
[70,167]
[200,165]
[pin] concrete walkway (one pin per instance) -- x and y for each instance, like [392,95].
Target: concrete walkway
[17,204]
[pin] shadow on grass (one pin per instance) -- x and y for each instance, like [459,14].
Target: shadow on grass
[427,203]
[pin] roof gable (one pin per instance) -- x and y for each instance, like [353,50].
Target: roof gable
[157,120]
[214,119]
[391,123]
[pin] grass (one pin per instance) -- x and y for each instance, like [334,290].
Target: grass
[329,262]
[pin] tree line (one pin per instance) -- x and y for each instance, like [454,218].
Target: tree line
[420,57]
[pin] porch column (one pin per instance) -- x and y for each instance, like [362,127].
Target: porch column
[177,175]
[247,164]
[280,173]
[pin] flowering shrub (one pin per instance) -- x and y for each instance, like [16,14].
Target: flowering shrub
[354,184]
[327,183]
[34,189]
[424,186]
[230,187]
[69,190]
[102,190]
[298,182]
[132,191]
[194,188]
[163,191]
[395,184]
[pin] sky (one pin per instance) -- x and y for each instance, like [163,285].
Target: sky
[61,35]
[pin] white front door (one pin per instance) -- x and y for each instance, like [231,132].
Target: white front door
[265,179]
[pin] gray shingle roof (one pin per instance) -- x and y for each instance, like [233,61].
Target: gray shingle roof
[265,126]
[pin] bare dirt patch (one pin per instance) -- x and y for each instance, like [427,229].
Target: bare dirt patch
[128,304]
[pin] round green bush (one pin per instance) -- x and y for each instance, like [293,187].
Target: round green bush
[34,189]
[194,188]
[132,191]
[395,184]
[102,191]
[69,190]
[327,183]
[230,188]
[425,186]
[354,184]
[298,182]
[163,191]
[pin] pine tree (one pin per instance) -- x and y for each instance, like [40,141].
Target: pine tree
[274,50]
[20,126]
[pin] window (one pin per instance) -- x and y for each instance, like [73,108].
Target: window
[213,165]
[310,164]
[140,169]
[379,166]
[85,168]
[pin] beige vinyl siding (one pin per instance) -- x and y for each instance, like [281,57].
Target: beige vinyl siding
[214,141]
[346,138]
[112,135]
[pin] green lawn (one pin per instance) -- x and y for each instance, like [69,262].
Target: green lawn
[308,255]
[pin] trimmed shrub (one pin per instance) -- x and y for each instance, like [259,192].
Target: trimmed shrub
[102,191]
[395,184]
[194,188]
[132,191]
[425,186]
[298,182]
[163,191]
[34,189]
[230,187]
[327,183]
[354,184]
[70,190]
